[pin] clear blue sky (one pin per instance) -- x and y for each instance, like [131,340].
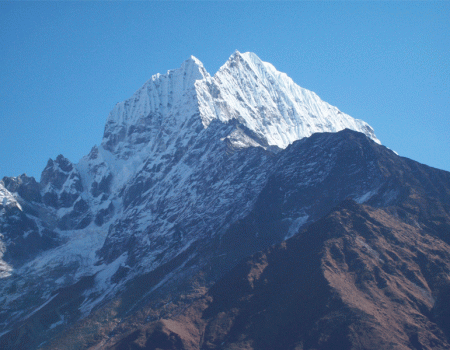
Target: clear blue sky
[64,65]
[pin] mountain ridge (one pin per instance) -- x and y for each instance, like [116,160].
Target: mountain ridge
[192,176]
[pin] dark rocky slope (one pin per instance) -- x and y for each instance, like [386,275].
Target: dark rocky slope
[360,278]
[364,276]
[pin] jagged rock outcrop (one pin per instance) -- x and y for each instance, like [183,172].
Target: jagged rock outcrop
[26,187]
[23,233]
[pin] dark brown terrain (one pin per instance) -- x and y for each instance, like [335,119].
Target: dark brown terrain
[369,275]
[362,277]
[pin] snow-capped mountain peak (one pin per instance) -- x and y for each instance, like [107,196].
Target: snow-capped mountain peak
[170,110]
[165,99]
[272,109]
[270,104]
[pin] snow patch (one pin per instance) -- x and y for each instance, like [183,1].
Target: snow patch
[40,307]
[296,225]
[5,268]
[365,197]
[56,324]
[7,199]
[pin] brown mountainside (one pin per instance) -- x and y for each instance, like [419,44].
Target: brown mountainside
[360,278]
[355,276]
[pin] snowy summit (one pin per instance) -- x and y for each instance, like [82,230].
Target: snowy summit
[265,101]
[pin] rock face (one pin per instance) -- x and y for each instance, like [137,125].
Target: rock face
[367,275]
[136,245]
[61,183]
[359,278]
[23,234]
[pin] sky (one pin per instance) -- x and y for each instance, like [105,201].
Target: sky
[64,65]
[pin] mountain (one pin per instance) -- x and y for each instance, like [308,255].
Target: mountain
[140,244]
[359,278]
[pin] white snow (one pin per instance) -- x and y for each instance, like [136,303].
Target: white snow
[296,225]
[365,197]
[5,269]
[103,286]
[7,199]
[5,332]
[165,109]
[269,103]
[61,321]
[41,306]
[80,248]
